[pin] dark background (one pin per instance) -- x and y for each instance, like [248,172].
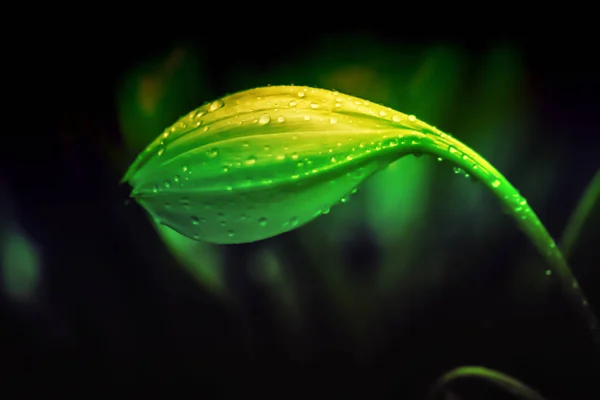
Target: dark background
[116,312]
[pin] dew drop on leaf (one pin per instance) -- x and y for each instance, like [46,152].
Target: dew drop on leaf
[264,119]
[215,105]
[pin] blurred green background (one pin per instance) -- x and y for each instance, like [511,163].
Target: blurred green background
[419,272]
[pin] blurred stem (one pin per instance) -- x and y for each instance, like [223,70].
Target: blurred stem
[495,378]
[443,145]
[580,215]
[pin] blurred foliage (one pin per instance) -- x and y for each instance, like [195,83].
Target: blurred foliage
[20,261]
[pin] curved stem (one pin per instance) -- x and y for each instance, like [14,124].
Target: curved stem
[580,214]
[451,149]
[496,378]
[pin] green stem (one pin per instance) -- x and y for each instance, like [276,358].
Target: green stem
[454,151]
[580,214]
[496,378]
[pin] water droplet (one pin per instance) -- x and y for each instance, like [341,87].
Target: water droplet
[231,234]
[452,150]
[292,103]
[264,119]
[262,222]
[307,117]
[496,183]
[314,105]
[167,184]
[176,178]
[225,168]
[294,221]
[213,152]
[155,189]
[333,120]
[301,94]
[161,151]
[251,160]
[440,159]
[195,220]
[199,114]
[345,199]
[185,168]
[280,118]
[325,210]
[215,105]
[394,142]
[412,118]
[382,113]
[184,201]
[396,118]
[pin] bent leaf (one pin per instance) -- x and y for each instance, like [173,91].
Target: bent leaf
[493,377]
[258,163]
